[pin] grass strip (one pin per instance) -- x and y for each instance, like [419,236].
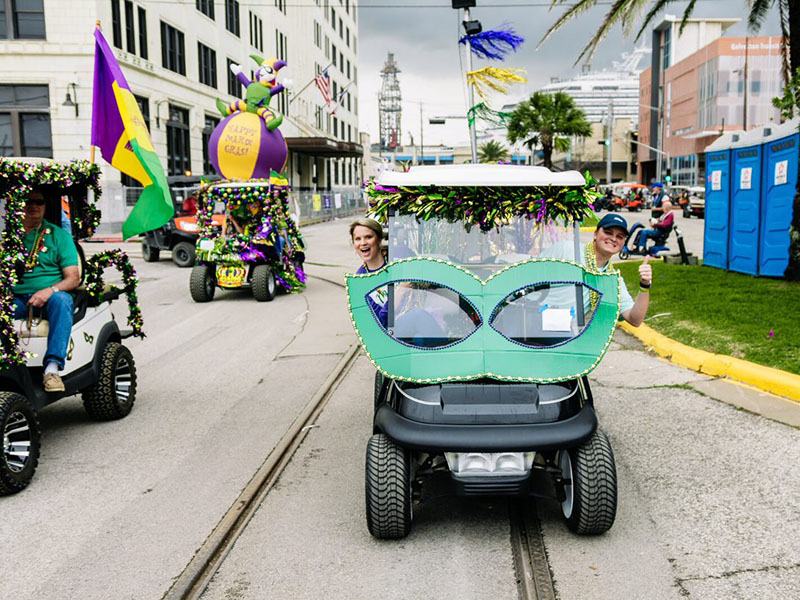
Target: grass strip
[751,318]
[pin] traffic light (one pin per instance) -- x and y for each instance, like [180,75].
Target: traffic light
[668,176]
[604,142]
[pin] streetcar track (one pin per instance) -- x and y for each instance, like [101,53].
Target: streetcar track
[196,576]
[534,580]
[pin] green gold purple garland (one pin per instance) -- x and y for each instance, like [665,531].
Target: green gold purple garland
[17,179]
[486,207]
[94,283]
[236,247]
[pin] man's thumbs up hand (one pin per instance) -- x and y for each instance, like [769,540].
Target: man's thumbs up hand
[646,272]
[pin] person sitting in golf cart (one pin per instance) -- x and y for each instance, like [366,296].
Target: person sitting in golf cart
[609,237]
[51,272]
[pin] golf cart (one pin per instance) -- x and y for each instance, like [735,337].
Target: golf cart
[180,234]
[98,365]
[483,353]
[692,200]
[246,240]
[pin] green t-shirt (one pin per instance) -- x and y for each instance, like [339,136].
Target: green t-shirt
[57,253]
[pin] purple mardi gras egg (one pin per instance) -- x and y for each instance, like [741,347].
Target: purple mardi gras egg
[241,147]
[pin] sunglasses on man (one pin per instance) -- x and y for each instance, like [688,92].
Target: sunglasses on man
[36,201]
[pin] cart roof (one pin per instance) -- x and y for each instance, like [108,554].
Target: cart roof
[481,175]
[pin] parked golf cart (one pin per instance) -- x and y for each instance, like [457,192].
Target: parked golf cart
[492,328]
[246,240]
[180,234]
[691,199]
[98,365]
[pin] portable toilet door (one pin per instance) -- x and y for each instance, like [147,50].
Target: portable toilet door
[745,203]
[778,190]
[718,190]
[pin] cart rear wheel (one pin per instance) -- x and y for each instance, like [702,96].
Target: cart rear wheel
[202,284]
[388,489]
[149,253]
[114,393]
[183,254]
[264,286]
[21,442]
[590,486]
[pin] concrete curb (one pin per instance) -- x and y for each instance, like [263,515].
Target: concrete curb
[764,378]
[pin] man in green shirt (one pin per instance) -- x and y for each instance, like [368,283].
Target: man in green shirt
[51,272]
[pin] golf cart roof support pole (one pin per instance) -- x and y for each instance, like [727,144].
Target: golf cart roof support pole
[610,138]
[473,136]
[576,239]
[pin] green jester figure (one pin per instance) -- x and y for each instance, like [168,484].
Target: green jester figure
[259,92]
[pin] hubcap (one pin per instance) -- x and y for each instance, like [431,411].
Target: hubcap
[565,464]
[209,283]
[271,283]
[122,380]
[17,438]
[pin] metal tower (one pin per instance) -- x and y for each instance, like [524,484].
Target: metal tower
[389,108]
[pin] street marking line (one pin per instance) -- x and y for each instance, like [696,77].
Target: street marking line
[196,576]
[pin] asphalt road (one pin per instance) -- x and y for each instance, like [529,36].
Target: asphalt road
[708,493]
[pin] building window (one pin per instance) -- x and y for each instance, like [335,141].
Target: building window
[25,121]
[142,33]
[665,50]
[116,23]
[211,123]
[232,16]
[281,46]
[130,33]
[179,158]
[207,62]
[281,4]
[206,7]
[317,35]
[256,32]
[173,51]
[144,108]
[233,82]
[22,20]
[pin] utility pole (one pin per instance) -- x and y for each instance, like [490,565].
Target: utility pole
[473,136]
[746,44]
[421,141]
[610,138]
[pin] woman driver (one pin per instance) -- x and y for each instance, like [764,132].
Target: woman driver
[366,235]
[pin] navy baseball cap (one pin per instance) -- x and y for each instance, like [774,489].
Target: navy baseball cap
[657,184]
[613,220]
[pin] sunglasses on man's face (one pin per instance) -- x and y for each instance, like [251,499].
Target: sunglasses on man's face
[35,201]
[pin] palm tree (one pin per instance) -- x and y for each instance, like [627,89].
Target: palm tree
[626,12]
[546,120]
[492,152]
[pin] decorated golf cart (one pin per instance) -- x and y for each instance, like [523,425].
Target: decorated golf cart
[97,364]
[247,240]
[482,354]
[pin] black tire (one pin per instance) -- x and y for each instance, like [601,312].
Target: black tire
[590,474]
[624,254]
[149,253]
[21,437]
[114,393]
[183,254]
[202,284]
[388,489]
[687,214]
[263,282]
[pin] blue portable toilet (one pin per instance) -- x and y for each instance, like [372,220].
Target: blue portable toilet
[779,181]
[745,211]
[718,189]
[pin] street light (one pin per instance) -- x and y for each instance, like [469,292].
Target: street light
[68,100]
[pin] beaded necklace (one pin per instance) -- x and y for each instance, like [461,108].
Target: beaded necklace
[591,264]
[38,246]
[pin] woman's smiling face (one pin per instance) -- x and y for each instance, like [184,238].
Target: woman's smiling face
[366,243]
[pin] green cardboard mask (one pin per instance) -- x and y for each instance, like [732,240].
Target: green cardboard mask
[520,324]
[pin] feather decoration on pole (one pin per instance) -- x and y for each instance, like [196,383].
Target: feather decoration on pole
[493,44]
[495,78]
[482,112]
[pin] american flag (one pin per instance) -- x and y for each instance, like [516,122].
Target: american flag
[323,82]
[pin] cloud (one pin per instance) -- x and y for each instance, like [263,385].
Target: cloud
[425,46]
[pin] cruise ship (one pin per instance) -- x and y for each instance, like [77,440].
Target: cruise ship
[593,90]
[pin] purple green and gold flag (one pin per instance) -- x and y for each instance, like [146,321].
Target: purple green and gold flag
[119,130]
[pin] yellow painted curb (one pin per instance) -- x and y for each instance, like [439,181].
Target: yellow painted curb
[764,378]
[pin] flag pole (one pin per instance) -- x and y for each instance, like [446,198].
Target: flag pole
[91,146]
[303,89]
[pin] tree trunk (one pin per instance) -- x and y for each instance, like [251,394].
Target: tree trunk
[547,153]
[792,272]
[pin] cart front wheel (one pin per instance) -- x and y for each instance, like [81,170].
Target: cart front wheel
[183,254]
[202,284]
[114,393]
[264,286]
[149,253]
[21,442]
[388,489]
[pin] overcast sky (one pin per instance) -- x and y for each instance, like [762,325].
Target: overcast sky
[425,45]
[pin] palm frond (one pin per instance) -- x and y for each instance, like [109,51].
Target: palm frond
[572,11]
[657,7]
[758,12]
[686,14]
[614,15]
[786,69]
